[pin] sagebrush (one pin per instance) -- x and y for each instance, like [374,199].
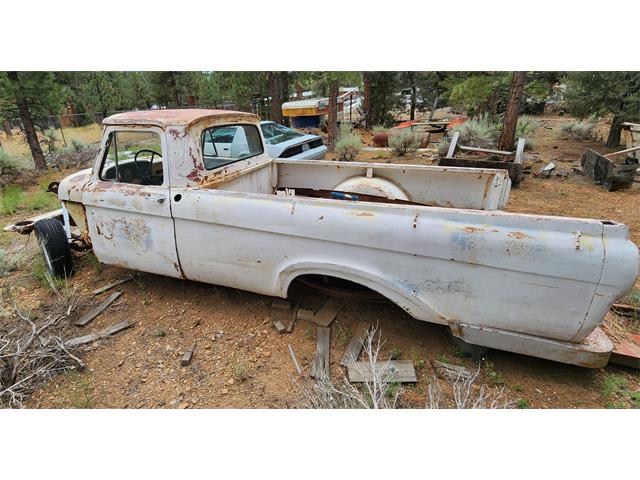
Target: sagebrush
[348,145]
[404,140]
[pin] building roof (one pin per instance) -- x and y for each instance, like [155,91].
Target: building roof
[166,117]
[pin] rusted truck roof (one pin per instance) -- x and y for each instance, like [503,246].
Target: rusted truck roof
[164,118]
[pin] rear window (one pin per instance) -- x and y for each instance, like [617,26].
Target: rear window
[275,133]
[228,144]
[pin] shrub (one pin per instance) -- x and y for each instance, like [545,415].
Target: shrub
[404,140]
[480,132]
[348,145]
[78,144]
[526,126]
[581,130]
[379,128]
[8,164]
[50,139]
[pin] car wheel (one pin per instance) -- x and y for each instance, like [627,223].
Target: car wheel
[55,247]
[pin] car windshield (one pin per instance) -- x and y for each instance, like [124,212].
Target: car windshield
[275,133]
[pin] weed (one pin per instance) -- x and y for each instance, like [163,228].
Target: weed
[91,259]
[458,353]
[517,387]
[9,262]
[395,353]
[379,128]
[11,196]
[420,364]
[8,163]
[581,130]
[348,145]
[41,200]
[394,389]
[615,405]
[493,376]
[442,358]
[522,403]
[56,284]
[634,298]
[78,144]
[344,335]
[159,332]
[240,372]
[635,398]
[613,385]
[480,132]
[404,140]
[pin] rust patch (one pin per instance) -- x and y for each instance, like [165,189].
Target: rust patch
[474,230]
[518,235]
[362,214]
[176,135]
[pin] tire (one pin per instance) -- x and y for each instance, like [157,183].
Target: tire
[55,247]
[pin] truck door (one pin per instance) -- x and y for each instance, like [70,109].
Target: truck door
[127,203]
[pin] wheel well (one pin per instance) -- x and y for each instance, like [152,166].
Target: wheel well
[336,286]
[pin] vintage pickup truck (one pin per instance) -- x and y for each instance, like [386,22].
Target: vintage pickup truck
[164,197]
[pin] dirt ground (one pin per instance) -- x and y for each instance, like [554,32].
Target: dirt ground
[241,361]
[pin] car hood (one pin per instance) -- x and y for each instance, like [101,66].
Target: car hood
[293,142]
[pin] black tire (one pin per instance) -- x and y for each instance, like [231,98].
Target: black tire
[55,247]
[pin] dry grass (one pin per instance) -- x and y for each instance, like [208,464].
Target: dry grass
[17,146]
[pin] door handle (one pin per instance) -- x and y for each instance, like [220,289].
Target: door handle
[155,198]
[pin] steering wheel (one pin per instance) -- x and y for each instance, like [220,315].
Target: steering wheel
[145,176]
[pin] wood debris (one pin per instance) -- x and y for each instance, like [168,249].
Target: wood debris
[84,339]
[328,312]
[295,360]
[354,348]
[279,326]
[320,365]
[401,371]
[280,304]
[186,358]
[449,371]
[113,284]
[101,307]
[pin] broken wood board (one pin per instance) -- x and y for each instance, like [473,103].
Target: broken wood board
[320,365]
[449,371]
[295,360]
[328,312]
[354,348]
[279,326]
[97,310]
[627,352]
[113,284]
[625,310]
[280,304]
[305,314]
[186,358]
[113,329]
[606,173]
[400,371]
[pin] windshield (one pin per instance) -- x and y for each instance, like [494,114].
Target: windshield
[275,133]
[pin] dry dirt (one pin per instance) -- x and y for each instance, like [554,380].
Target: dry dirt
[241,361]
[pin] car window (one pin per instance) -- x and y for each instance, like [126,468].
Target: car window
[133,156]
[230,143]
[275,133]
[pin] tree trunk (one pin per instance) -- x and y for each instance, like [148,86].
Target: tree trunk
[613,139]
[299,91]
[510,121]
[174,87]
[332,123]
[6,126]
[412,114]
[276,96]
[367,99]
[27,121]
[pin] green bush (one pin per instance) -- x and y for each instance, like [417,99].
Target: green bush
[581,130]
[50,139]
[8,164]
[78,144]
[480,132]
[404,140]
[348,145]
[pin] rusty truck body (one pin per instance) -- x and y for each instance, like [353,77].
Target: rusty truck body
[431,239]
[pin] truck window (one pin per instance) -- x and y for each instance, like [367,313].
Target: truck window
[133,157]
[230,143]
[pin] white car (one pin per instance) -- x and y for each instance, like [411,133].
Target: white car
[285,142]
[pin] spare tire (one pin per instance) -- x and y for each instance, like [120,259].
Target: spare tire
[55,247]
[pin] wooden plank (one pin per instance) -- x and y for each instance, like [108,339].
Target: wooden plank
[328,312]
[320,365]
[113,329]
[295,360]
[113,284]
[280,304]
[520,150]
[186,358]
[305,314]
[354,348]
[279,326]
[454,142]
[621,152]
[447,370]
[401,371]
[97,310]
[485,150]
